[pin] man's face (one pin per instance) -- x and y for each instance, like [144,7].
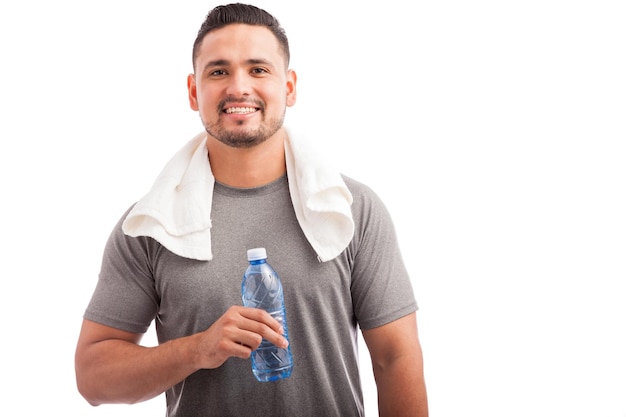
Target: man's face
[241,87]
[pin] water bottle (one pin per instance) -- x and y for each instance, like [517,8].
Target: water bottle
[261,288]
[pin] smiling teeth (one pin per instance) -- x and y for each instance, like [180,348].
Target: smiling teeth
[240,110]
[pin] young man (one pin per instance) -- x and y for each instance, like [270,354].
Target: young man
[178,255]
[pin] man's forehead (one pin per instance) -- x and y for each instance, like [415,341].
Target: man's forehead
[239,42]
[241,35]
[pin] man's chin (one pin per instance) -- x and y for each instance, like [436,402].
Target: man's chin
[240,139]
[242,136]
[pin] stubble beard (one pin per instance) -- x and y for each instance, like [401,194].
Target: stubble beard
[244,138]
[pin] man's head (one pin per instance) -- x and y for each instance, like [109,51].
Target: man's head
[242,84]
[229,14]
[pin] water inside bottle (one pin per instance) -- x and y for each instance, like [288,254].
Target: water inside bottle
[269,362]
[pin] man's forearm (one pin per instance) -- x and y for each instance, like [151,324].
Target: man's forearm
[401,388]
[118,371]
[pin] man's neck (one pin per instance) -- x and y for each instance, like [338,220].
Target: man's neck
[247,167]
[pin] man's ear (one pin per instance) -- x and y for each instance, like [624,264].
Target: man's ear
[292,78]
[191,89]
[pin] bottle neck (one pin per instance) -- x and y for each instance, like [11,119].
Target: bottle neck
[257,261]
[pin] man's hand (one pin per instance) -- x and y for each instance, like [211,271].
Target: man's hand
[237,333]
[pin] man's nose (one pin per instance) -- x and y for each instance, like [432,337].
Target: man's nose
[239,84]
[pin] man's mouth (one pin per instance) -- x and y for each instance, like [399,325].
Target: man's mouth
[240,110]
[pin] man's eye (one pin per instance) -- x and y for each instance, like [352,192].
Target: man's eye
[217,73]
[259,70]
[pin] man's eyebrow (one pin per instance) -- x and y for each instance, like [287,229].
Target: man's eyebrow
[258,61]
[216,63]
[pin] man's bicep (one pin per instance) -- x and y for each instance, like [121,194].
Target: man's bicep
[92,332]
[398,337]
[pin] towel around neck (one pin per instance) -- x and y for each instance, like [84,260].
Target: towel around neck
[176,211]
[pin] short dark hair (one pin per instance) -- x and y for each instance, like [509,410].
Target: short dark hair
[247,14]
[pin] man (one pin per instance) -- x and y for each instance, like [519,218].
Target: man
[177,257]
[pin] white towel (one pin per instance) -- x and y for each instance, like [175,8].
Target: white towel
[176,211]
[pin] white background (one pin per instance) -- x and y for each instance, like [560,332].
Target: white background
[493,130]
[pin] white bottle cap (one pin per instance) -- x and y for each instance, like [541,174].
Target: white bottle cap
[256,254]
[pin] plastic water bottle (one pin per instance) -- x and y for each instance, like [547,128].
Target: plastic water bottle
[261,288]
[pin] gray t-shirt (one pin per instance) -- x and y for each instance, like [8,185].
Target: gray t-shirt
[367,285]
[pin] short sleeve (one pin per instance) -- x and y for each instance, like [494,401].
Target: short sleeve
[381,288]
[125,297]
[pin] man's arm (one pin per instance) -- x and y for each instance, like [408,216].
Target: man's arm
[398,368]
[111,366]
